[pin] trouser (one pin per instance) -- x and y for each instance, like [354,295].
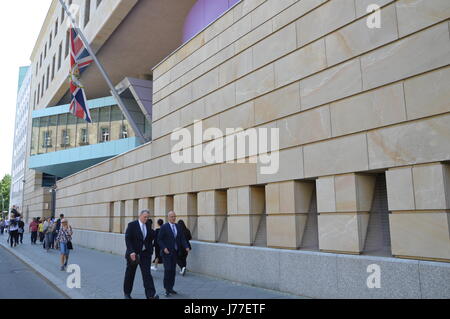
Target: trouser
[20,237]
[170,265]
[2,229]
[33,237]
[48,239]
[146,260]
[41,237]
[13,237]
[181,260]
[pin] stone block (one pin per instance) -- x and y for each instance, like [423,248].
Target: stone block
[301,63]
[428,94]
[395,62]
[341,155]
[220,100]
[275,46]
[332,84]
[245,200]
[421,141]
[306,127]
[324,19]
[431,186]
[206,178]
[277,104]
[343,232]
[380,107]
[415,15]
[357,38]
[326,198]
[210,227]
[285,231]
[148,204]
[362,5]
[163,204]
[212,203]
[420,234]
[253,36]
[288,197]
[205,84]
[132,208]
[296,11]
[284,165]
[255,84]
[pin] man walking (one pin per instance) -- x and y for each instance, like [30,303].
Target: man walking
[171,240]
[139,239]
[34,231]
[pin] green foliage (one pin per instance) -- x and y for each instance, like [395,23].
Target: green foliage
[5,187]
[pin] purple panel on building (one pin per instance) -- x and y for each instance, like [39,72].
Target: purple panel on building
[203,13]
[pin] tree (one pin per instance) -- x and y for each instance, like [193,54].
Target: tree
[5,188]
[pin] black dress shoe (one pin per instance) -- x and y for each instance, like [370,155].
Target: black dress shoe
[128,297]
[154,297]
[173,292]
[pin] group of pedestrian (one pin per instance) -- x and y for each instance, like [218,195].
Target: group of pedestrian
[171,244]
[52,234]
[14,226]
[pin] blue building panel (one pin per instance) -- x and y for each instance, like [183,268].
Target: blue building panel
[67,162]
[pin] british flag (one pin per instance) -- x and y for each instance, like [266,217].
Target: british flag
[80,59]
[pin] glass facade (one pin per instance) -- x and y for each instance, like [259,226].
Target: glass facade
[65,131]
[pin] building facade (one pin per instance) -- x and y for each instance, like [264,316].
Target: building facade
[20,138]
[362,155]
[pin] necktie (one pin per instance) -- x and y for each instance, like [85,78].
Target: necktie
[174,230]
[143,233]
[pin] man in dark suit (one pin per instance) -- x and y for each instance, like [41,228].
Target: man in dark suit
[171,240]
[139,239]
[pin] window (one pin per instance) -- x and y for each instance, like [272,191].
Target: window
[38,91]
[45,51]
[53,66]
[105,135]
[65,138]
[40,61]
[63,15]
[84,136]
[59,55]
[50,41]
[99,2]
[124,132]
[48,77]
[87,12]
[56,27]
[47,139]
[67,43]
[37,68]
[43,83]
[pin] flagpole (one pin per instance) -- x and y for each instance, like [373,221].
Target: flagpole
[103,72]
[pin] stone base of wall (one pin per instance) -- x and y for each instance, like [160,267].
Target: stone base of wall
[311,274]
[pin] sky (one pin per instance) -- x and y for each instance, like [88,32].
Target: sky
[20,24]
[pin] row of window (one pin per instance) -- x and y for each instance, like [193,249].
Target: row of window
[63,131]
[49,75]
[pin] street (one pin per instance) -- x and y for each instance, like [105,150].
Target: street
[18,281]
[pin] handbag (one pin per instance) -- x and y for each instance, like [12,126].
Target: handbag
[69,245]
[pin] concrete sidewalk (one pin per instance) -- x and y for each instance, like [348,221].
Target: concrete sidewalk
[102,276]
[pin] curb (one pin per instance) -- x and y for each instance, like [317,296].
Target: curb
[46,275]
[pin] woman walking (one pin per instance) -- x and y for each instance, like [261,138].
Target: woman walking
[47,233]
[158,259]
[64,240]
[182,256]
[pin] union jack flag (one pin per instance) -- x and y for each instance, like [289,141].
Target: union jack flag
[80,59]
